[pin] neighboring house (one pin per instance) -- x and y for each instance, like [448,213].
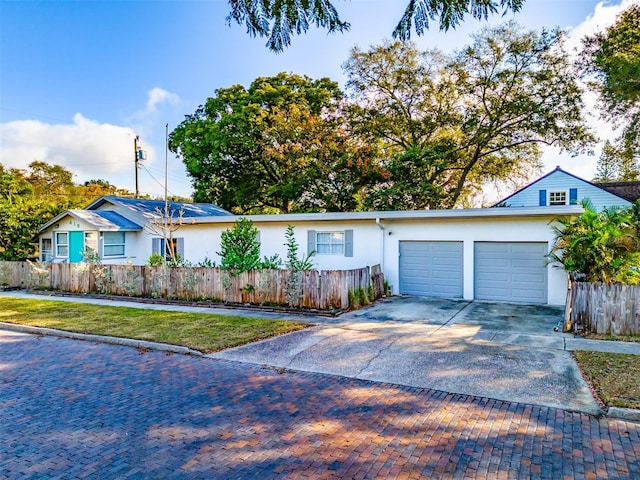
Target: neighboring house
[559,187]
[488,253]
[628,190]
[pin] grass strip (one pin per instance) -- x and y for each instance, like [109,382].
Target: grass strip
[615,338]
[614,376]
[206,332]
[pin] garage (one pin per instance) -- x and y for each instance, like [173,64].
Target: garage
[431,269]
[510,271]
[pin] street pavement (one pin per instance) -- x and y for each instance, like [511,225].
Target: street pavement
[79,409]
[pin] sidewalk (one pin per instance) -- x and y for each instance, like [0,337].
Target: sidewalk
[558,341]
[221,310]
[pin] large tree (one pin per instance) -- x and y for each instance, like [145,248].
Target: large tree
[617,164]
[611,61]
[279,20]
[447,124]
[31,197]
[278,146]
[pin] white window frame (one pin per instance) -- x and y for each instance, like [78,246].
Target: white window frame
[46,254]
[58,245]
[331,243]
[117,244]
[557,202]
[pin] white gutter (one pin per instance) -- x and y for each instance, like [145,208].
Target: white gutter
[498,212]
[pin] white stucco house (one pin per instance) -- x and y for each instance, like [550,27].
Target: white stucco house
[485,253]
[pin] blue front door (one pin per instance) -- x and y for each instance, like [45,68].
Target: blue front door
[76,246]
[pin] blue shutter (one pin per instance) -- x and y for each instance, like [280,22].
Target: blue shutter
[573,196]
[180,242]
[155,246]
[348,243]
[311,241]
[543,198]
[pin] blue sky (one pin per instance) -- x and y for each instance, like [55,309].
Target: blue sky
[79,79]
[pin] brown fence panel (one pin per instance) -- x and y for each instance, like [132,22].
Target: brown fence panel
[612,309]
[324,290]
[15,274]
[377,280]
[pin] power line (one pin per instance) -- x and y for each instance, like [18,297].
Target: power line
[156,180]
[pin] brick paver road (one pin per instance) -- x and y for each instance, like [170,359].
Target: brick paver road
[73,409]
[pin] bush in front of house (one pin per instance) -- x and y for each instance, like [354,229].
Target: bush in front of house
[604,246]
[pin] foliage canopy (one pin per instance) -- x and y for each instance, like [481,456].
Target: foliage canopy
[611,60]
[31,197]
[416,129]
[604,246]
[279,20]
[447,124]
[278,146]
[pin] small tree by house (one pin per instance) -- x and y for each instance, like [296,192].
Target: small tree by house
[293,287]
[293,262]
[240,247]
[164,224]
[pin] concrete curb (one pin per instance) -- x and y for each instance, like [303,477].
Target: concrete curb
[125,342]
[624,413]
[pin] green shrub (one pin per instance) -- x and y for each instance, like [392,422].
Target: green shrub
[354,300]
[240,247]
[155,260]
[270,263]
[604,246]
[293,262]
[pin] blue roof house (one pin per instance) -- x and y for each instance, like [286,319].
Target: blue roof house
[559,187]
[117,229]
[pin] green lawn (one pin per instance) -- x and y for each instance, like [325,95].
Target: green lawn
[614,376]
[204,332]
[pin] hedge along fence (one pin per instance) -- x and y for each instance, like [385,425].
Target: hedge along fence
[607,308]
[323,290]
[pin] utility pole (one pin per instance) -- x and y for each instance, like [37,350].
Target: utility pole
[135,159]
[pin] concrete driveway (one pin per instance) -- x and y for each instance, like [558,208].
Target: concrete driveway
[501,351]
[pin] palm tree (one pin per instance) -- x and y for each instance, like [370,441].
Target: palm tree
[604,246]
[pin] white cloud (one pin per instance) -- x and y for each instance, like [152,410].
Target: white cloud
[93,149]
[158,95]
[145,120]
[603,16]
[87,147]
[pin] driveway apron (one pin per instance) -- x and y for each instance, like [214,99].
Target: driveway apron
[501,351]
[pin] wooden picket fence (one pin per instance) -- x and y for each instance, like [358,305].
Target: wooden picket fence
[611,309]
[310,289]
[15,274]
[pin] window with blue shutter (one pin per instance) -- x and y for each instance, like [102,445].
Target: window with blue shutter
[331,243]
[311,241]
[348,243]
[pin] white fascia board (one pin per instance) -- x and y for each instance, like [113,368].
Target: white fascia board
[551,212]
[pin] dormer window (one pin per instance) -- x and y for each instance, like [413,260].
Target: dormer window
[558,197]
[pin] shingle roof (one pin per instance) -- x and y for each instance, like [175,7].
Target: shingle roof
[144,206]
[627,190]
[102,220]
[106,220]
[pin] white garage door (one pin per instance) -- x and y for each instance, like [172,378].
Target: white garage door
[510,271]
[431,269]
